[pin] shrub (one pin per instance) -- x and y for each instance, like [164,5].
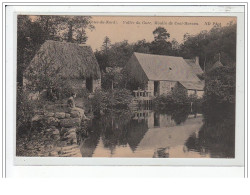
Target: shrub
[24,111]
[104,100]
[121,98]
[178,97]
[220,84]
[99,101]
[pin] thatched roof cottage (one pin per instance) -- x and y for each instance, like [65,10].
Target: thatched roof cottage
[160,74]
[76,63]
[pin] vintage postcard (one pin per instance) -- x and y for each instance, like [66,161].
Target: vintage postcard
[126,86]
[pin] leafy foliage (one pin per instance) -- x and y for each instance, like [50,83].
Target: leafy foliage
[208,46]
[178,97]
[217,135]
[30,36]
[160,34]
[220,85]
[105,100]
[25,110]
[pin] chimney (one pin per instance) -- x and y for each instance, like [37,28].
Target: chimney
[197,60]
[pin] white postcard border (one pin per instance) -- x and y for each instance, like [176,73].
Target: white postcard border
[11,13]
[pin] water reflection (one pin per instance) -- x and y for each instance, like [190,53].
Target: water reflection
[174,134]
[217,134]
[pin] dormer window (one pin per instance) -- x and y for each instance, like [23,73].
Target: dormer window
[170,68]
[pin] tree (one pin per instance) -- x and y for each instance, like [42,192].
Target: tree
[175,44]
[175,47]
[111,78]
[141,46]
[67,28]
[106,44]
[160,34]
[30,36]
[115,55]
[208,45]
[160,45]
[220,85]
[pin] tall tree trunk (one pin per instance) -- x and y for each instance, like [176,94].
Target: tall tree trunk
[70,33]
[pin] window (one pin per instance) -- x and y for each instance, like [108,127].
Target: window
[170,68]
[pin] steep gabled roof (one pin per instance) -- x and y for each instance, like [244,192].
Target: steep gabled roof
[195,67]
[199,85]
[70,59]
[159,67]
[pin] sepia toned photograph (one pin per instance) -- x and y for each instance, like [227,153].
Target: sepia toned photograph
[126,86]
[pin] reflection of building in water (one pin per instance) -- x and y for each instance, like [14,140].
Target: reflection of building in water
[161,120]
[168,141]
[154,119]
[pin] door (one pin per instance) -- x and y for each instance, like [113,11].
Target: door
[156,88]
[89,84]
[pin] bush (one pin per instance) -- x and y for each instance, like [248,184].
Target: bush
[121,98]
[178,97]
[104,100]
[220,85]
[99,101]
[24,111]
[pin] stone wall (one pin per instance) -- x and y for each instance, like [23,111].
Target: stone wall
[62,125]
[150,87]
[165,86]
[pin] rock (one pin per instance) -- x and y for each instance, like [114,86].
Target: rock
[71,122]
[75,114]
[49,114]
[48,130]
[56,132]
[56,137]
[52,121]
[67,115]
[39,112]
[60,115]
[72,135]
[37,118]
[71,130]
[53,153]
[63,130]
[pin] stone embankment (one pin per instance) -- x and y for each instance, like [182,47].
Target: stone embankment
[62,128]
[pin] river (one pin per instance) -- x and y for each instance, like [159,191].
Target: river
[144,133]
[150,134]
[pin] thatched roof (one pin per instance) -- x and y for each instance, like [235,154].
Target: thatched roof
[159,67]
[195,67]
[73,60]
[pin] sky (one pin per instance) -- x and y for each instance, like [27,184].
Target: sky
[134,28]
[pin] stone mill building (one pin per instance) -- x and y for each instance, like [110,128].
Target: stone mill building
[161,74]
